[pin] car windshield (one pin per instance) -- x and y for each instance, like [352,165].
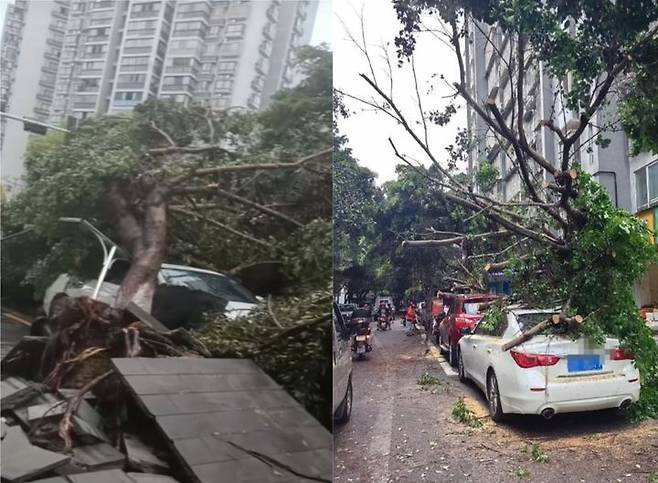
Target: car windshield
[528,321]
[217,285]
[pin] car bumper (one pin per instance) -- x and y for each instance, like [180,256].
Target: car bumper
[573,395]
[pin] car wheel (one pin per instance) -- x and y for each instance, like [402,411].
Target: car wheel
[345,410]
[452,354]
[460,367]
[493,397]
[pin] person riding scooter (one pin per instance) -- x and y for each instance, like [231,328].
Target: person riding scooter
[361,334]
[383,322]
[410,318]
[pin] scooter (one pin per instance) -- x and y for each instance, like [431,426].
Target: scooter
[383,323]
[361,340]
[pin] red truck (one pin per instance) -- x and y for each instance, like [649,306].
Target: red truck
[461,311]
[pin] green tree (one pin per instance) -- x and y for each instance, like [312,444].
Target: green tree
[221,188]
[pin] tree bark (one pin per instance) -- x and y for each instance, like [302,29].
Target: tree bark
[142,227]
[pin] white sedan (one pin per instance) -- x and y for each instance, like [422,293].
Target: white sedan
[547,374]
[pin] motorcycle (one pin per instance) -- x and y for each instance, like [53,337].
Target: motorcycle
[383,323]
[361,340]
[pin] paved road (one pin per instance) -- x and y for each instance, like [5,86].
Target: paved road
[402,432]
[13,328]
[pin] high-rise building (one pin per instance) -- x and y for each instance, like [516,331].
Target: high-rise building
[489,74]
[31,48]
[117,53]
[631,181]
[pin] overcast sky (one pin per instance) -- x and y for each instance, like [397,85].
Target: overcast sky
[368,131]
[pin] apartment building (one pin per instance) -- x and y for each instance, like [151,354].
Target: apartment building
[488,71]
[30,54]
[114,54]
[631,181]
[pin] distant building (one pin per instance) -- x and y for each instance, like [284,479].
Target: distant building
[486,54]
[30,54]
[113,54]
[632,182]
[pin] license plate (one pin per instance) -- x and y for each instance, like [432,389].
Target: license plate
[360,338]
[582,363]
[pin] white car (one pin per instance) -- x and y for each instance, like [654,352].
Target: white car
[238,300]
[342,368]
[547,374]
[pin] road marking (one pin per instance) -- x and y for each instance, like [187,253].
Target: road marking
[445,365]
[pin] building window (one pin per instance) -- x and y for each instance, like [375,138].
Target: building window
[646,186]
[235,30]
[224,85]
[227,66]
[128,96]
[231,48]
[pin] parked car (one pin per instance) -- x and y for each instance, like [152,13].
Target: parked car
[347,310]
[461,311]
[548,374]
[342,371]
[184,293]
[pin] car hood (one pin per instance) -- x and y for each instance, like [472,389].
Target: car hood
[238,309]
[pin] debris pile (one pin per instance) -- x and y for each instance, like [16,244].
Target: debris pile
[113,396]
[64,408]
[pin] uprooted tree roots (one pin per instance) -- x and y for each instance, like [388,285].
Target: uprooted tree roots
[87,334]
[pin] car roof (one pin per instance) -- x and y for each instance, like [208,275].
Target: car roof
[190,269]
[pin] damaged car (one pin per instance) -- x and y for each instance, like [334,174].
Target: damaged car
[550,373]
[183,295]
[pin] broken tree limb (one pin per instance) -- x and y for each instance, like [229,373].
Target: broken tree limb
[556,319]
[495,266]
[451,241]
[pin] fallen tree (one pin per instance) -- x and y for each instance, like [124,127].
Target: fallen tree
[570,242]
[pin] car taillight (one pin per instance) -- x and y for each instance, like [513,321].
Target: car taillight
[527,361]
[621,355]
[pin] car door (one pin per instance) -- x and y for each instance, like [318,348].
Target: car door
[483,345]
[342,358]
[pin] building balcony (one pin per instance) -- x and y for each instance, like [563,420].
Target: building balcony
[84,105]
[94,55]
[138,50]
[181,69]
[196,14]
[152,14]
[131,85]
[95,38]
[91,72]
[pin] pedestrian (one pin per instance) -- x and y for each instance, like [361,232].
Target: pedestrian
[410,317]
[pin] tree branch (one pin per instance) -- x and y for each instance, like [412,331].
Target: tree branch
[450,241]
[223,227]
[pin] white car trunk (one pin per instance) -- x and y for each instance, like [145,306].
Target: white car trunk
[581,366]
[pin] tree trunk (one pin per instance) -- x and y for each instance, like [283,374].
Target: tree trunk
[142,228]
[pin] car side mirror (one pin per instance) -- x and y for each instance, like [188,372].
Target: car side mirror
[466,331]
